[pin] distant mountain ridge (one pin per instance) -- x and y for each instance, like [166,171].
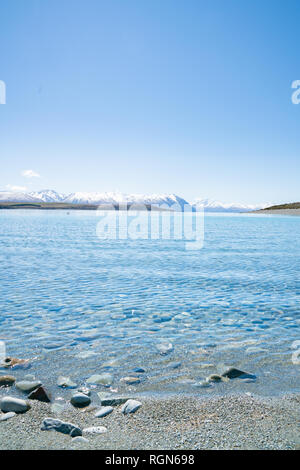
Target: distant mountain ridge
[98,198]
[217,206]
[93,198]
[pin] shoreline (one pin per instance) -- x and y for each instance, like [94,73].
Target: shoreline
[183,422]
[292,212]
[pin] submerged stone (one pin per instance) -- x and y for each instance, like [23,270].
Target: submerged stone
[7,380]
[234,373]
[28,386]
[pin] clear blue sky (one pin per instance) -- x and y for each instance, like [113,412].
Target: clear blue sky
[191,97]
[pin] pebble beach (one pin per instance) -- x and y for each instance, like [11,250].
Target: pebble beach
[236,422]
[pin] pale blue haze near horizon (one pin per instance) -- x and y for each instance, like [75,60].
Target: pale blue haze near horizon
[192,98]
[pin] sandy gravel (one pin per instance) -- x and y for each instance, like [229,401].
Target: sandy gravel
[279,212]
[238,422]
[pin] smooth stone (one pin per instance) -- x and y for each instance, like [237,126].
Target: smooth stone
[50,424]
[85,354]
[95,430]
[114,401]
[174,365]
[80,400]
[7,380]
[40,394]
[131,406]
[165,348]
[85,390]
[101,379]
[162,319]
[233,373]
[104,411]
[214,378]
[27,386]
[130,380]
[7,416]
[139,370]
[66,382]
[16,405]
[16,363]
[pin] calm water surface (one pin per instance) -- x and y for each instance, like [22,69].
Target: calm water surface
[64,292]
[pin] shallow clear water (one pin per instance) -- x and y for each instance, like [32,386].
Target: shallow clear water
[64,291]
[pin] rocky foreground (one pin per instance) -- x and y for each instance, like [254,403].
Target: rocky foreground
[90,419]
[241,422]
[94,416]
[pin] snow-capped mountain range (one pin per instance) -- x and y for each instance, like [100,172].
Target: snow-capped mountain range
[217,206]
[97,198]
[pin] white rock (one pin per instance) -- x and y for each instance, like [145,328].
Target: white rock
[165,348]
[65,382]
[100,379]
[95,430]
[16,405]
[131,406]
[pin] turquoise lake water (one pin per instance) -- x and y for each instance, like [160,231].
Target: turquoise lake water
[64,292]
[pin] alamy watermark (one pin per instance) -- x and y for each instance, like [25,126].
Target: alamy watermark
[296,93]
[2,92]
[163,222]
[2,352]
[296,353]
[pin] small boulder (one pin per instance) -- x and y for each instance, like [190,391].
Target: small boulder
[16,405]
[131,406]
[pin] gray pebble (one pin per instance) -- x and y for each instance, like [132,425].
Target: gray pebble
[104,411]
[28,386]
[131,406]
[80,400]
[16,405]
[50,424]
